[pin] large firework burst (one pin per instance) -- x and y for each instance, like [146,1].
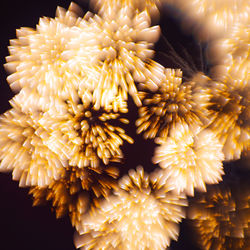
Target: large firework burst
[190,159]
[221,217]
[23,149]
[173,103]
[120,50]
[142,214]
[36,58]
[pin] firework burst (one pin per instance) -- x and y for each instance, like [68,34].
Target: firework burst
[23,149]
[84,136]
[173,103]
[120,51]
[190,159]
[68,194]
[142,214]
[221,218]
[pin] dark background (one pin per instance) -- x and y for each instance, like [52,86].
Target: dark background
[33,228]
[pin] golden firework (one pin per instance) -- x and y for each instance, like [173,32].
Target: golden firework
[36,58]
[24,151]
[142,214]
[85,136]
[231,104]
[68,194]
[174,103]
[190,159]
[221,217]
[120,50]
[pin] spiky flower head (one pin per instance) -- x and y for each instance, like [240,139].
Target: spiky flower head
[23,150]
[36,58]
[174,102]
[68,194]
[120,50]
[190,159]
[85,136]
[231,104]
[142,214]
[221,217]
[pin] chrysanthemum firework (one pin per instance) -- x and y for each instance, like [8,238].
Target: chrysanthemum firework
[142,214]
[108,8]
[120,51]
[231,104]
[85,136]
[68,194]
[190,159]
[213,18]
[36,57]
[221,217]
[173,103]
[23,149]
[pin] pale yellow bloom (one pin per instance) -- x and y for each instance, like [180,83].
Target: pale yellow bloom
[190,159]
[142,214]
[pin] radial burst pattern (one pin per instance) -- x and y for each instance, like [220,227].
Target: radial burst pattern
[232,121]
[173,103]
[221,217]
[142,214]
[68,194]
[84,135]
[24,152]
[120,50]
[190,159]
[36,57]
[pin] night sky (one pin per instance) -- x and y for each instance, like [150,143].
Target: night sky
[26,227]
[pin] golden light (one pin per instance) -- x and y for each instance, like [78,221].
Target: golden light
[142,214]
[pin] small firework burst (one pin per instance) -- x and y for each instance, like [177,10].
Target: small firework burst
[68,194]
[36,58]
[23,149]
[85,136]
[120,50]
[173,103]
[221,217]
[142,214]
[190,159]
[231,104]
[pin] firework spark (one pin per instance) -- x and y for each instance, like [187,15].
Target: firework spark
[221,218]
[120,51]
[23,149]
[142,214]
[173,103]
[190,159]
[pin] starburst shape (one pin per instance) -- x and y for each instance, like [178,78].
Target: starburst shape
[24,151]
[36,58]
[221,218]
[70,194]
[119,49]
[143,213]
[85,136]
[232,117]
[174,102]
[190,159]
